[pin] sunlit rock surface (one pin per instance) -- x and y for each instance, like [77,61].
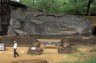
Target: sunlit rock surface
[16,0]
[25,22]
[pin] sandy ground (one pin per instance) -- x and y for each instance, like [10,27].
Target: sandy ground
[49,54]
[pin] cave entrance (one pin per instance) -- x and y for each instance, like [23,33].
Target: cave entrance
[94,30]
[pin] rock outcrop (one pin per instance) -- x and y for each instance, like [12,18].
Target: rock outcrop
[4,16]
[25,22]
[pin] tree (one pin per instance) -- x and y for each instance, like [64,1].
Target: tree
[78,7]
[88,7]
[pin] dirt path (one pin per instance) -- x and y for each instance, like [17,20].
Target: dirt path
[49,54]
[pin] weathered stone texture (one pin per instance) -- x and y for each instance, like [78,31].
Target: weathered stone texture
[24,22]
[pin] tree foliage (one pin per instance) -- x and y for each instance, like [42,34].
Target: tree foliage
[62,6]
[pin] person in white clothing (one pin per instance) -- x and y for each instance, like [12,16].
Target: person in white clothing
[15,48]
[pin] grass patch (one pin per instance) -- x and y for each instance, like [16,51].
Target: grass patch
[93,49]
[75,48]
[90,60]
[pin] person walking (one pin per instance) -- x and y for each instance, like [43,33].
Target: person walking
[15,48]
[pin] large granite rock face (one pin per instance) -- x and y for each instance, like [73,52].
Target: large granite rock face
[24,22]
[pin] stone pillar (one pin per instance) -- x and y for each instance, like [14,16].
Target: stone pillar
[4,16]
